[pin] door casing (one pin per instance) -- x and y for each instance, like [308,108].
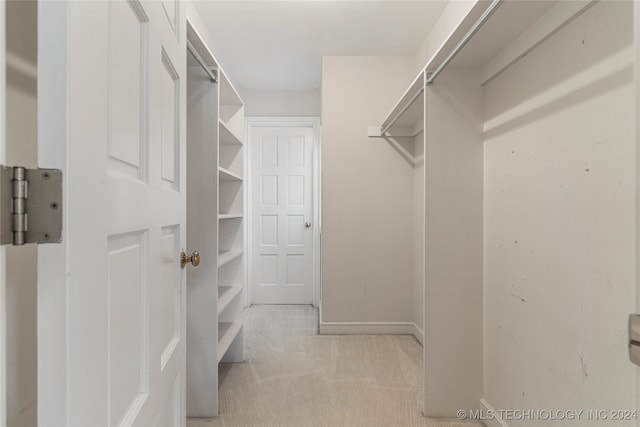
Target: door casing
[3,257]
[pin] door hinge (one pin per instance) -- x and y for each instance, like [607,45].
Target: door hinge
[634,338]
[30,205]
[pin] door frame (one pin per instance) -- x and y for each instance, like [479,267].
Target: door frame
[252,122]
[636,77]
[3,270]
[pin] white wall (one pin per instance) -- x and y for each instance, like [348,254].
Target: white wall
[285,103]
[21,261]
[367,194]
[560,220]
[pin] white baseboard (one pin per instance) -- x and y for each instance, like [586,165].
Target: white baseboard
[418,334]
[371,328]
[495,421]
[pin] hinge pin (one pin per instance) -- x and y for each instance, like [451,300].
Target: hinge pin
[20,186]
[30,205]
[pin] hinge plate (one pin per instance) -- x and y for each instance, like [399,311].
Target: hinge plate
[634,338]
[43,206]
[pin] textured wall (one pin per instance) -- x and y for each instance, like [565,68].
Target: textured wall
[560,220]
[367,194]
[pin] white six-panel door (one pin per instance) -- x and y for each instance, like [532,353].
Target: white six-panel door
[111,297]
[282,232]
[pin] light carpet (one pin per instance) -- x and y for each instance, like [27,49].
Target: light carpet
[293,377]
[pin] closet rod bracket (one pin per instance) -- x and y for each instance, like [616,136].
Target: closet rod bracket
[211,72]
[428,80]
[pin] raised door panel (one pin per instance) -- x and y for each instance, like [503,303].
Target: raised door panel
[169,86]
[296,151]
[295,190]
[168,296]
[295,270]
[270,272]
[268,191]
[269,230]
[127,56]
[269,152]
[295,230]
[127,304]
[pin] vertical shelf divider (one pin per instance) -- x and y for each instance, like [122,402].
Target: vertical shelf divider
[215,223]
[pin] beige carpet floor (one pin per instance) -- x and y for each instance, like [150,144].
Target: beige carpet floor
[294,377]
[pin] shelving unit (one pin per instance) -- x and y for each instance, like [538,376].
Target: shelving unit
[215,219]
[231,223]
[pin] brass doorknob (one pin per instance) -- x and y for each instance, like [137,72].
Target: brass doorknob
[307,224]
[185,259]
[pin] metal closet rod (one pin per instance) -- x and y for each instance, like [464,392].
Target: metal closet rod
[472,32]
[192,50]
[454,52]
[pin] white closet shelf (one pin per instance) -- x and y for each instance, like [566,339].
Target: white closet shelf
[481,52]
[228,94]
[227,175]
[227,332]
[225,257]
[411,122]
[405,122]
[226,294]
[230,216]
[408,111]
[227,136]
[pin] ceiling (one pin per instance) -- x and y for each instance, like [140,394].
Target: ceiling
[278,45]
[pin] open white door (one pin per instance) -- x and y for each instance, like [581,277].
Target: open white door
[111,300]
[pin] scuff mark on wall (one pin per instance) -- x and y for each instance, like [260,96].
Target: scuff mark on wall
[585,374]
[518,297]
